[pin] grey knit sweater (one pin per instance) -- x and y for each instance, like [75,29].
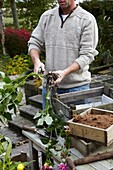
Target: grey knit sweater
[64,43]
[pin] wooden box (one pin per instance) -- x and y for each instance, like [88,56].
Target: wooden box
[69,103]
[87,148]
[92,133]
[84,147]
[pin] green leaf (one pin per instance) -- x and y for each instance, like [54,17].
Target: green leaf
[3,119]
[1,164]
[0,96]
[6,79]
[9,148]
[13,97]
[41,121]
[8,87]
[48,119]
[44,140]
[19,96]
[2,74]
[54,142]
[7,115]
[38,114]
[2,85]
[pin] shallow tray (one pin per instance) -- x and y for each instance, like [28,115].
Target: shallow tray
[104,136]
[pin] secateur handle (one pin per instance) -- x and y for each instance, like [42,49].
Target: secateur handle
[40,71]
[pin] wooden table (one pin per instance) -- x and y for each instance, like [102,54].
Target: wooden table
[36,146]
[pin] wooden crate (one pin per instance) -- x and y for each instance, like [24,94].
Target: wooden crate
[84,147]
[87,148]
[64,103]
[104,136]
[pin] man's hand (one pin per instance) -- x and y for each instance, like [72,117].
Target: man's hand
[39,65]
[35,56]
[60,74]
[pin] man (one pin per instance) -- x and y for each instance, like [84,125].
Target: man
[69,35]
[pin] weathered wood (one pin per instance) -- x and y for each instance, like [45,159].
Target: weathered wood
[74,96]
[93,158]
[61,109]
[85,147]
[20,157]
[107,164]
[88,147]
[74,154]
[95,70]
[69,104]
[104,136]
[98,166]
[111,92]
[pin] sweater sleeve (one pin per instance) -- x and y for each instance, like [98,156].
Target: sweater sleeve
[88,42]
[36,40]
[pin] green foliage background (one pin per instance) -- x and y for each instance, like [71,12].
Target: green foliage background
[29,12]
[103,12]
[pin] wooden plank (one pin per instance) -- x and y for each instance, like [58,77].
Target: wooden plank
[86,148]
[98,166]
[89,148]
[105,71]
[31,154]
[85,167]
[106,164]
[62,109]
[75,153]
[111,92]
[74,96]
[95,101]
[108,106]
[87,132]
[104,136]
[110,134]
[110,161]
[103,165]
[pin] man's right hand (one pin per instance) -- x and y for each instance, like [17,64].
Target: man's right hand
[39,66]
[35,56]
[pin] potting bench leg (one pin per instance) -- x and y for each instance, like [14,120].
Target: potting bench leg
[33,156]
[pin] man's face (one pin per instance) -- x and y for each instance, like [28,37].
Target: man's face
[64,3]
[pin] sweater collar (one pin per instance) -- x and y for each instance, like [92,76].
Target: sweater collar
[75,11]
[60,11]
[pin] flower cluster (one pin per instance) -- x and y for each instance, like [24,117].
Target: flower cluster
[46,166]
[63,166]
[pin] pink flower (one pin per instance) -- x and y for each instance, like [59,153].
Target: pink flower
[63,166]
[46,167]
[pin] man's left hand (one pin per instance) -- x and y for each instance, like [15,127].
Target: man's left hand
[60,74]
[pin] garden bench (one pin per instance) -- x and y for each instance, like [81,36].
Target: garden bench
[36,146]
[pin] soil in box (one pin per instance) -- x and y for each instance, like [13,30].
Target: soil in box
[95,120]
[93,124]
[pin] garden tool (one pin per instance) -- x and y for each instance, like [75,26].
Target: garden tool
[40,132]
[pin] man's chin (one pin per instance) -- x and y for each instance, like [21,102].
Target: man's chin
[63,6]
